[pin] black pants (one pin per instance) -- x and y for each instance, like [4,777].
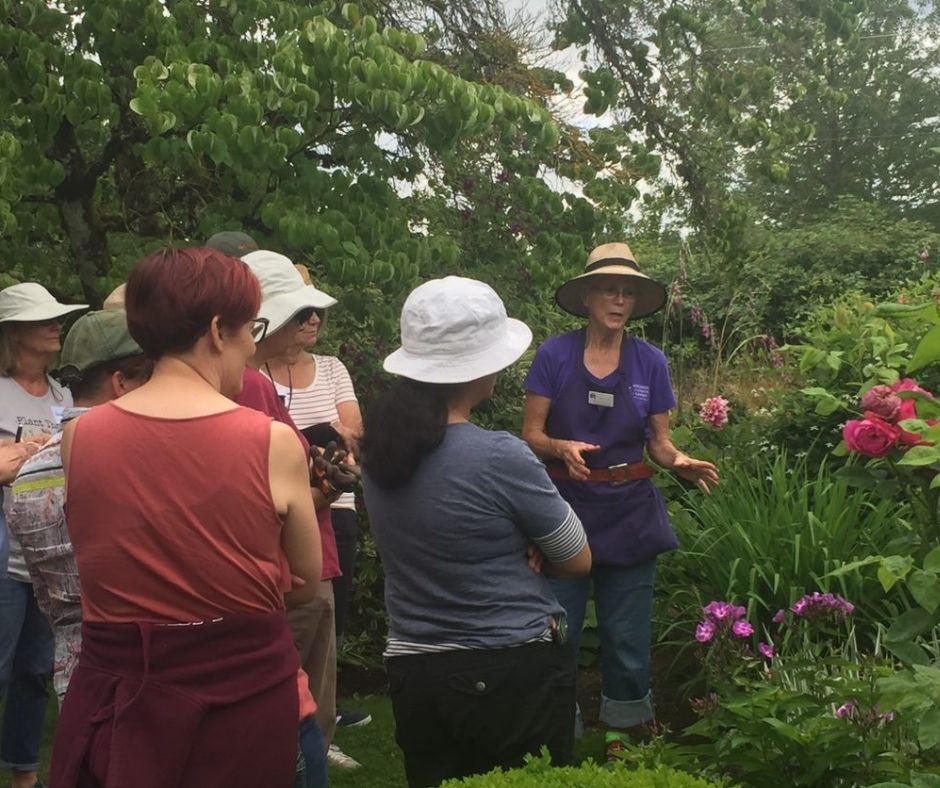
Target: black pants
[346,528]
[459,713]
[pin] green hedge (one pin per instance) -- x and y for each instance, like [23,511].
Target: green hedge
[538,773]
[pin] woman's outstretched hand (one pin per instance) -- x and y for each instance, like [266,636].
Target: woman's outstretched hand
[572,453]
[703,475]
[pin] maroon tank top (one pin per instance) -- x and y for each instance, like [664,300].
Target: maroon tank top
[172,520]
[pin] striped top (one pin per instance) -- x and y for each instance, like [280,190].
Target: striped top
[316,403]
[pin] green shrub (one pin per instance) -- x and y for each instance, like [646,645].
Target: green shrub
[775,529]
[538,773]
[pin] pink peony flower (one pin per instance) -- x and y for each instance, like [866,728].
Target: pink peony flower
[741,629]
[705,631]
[766,650]
[714,411]
[871,436]
[882,401]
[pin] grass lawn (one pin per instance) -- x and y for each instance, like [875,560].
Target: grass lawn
[372,745]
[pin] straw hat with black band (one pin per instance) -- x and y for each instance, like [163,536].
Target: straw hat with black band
[614,259]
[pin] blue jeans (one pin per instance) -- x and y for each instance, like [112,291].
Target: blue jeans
[26,652]
[623,599]
[311,756]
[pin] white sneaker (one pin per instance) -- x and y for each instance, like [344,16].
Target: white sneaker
[336,757]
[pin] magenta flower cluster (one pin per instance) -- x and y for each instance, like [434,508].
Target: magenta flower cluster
[724,619]
[818,605]
[852,711]
[714,411]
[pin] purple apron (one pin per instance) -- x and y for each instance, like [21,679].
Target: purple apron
[625,525]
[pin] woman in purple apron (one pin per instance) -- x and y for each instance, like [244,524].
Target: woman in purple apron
[596,399]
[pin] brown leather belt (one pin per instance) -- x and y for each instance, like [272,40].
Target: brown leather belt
[614,474]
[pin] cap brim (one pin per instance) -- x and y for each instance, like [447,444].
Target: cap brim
[280,309]
[42,312]
[650,294]
[444,368]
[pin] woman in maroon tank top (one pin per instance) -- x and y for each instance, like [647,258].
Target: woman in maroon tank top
[182,507]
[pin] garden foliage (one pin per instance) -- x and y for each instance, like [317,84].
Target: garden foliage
[538,773]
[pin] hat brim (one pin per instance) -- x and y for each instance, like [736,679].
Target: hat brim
[444,368]
[41,312]
[650,294]
[280,309]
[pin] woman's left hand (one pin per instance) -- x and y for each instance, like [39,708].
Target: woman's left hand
[703,474]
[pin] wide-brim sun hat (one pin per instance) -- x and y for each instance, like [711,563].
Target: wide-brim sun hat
[283,292]
[613,259]
[454,330]
[30,302]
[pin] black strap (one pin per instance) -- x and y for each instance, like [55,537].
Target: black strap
[611,261]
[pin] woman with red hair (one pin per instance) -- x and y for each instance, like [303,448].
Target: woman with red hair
[181,507]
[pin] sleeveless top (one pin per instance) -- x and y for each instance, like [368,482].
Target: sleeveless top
[172,520]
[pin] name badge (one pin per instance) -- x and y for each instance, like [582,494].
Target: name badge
[600,398]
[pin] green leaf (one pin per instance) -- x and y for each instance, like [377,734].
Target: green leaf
[908,652]
[928,350]
[920,455]
[908,625]
[925,588]
[932,561]
[926,310]
[928,733]
[894,568]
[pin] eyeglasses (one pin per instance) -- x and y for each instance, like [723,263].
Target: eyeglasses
[304,315]
[612,291]
[259,328]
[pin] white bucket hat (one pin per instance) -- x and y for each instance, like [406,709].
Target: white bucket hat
[455,330]
[32,303]
[283,292]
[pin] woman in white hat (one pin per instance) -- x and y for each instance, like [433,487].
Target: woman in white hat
[462,516]
[596,399]
[31,406]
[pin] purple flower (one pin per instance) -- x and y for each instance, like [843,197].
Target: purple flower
[741,629]
[817,605]
[705,631]
[766,650]
[887,717]
[780,616]
[722,611]
[846,710]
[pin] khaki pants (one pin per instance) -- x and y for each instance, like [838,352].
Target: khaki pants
[314,631]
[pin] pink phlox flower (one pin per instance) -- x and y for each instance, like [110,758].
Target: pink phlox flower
[714,411]
[766,650]
[742,629]
[723,611]
[846,710]
[705,631]
[818,605]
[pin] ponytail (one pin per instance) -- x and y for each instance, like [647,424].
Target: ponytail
[404,424]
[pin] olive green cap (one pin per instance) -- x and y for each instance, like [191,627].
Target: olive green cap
[96,338]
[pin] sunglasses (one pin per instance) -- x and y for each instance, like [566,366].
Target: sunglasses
[304,315]
[259,328]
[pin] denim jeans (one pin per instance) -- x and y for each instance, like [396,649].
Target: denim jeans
[311,756]
[26,650]
[623,599]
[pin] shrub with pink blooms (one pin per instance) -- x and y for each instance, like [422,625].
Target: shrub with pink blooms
[878,433]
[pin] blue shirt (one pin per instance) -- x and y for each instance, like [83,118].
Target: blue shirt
[453,543]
